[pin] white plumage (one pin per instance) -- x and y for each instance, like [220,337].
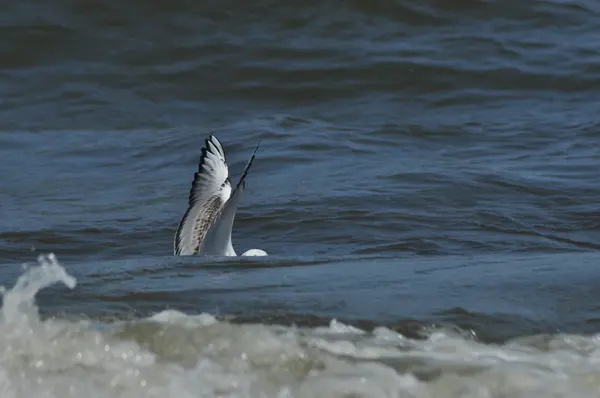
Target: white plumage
[206,226]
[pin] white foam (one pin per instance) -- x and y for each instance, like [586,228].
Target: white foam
[172,354]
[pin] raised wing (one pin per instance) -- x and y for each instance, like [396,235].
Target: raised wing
[220,231]
[210,191]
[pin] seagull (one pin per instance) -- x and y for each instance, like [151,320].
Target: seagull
[205,228]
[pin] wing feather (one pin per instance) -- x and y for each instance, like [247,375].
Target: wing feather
[220,230]
[210,191]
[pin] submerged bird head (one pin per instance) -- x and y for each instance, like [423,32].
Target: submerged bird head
[254,252]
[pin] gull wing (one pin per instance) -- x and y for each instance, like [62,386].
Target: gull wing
[218,237]
[210,192]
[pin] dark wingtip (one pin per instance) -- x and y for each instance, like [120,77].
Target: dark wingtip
[208,139]
[242,181]
[202,156]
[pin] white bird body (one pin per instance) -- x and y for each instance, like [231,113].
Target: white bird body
[205,228]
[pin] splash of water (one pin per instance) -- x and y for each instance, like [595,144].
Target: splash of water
[19,302]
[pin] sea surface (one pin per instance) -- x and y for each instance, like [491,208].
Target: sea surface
[427,188]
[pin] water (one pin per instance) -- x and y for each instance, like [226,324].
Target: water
[172,353]
[426,188]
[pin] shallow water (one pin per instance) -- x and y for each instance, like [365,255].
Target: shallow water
[426,188]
